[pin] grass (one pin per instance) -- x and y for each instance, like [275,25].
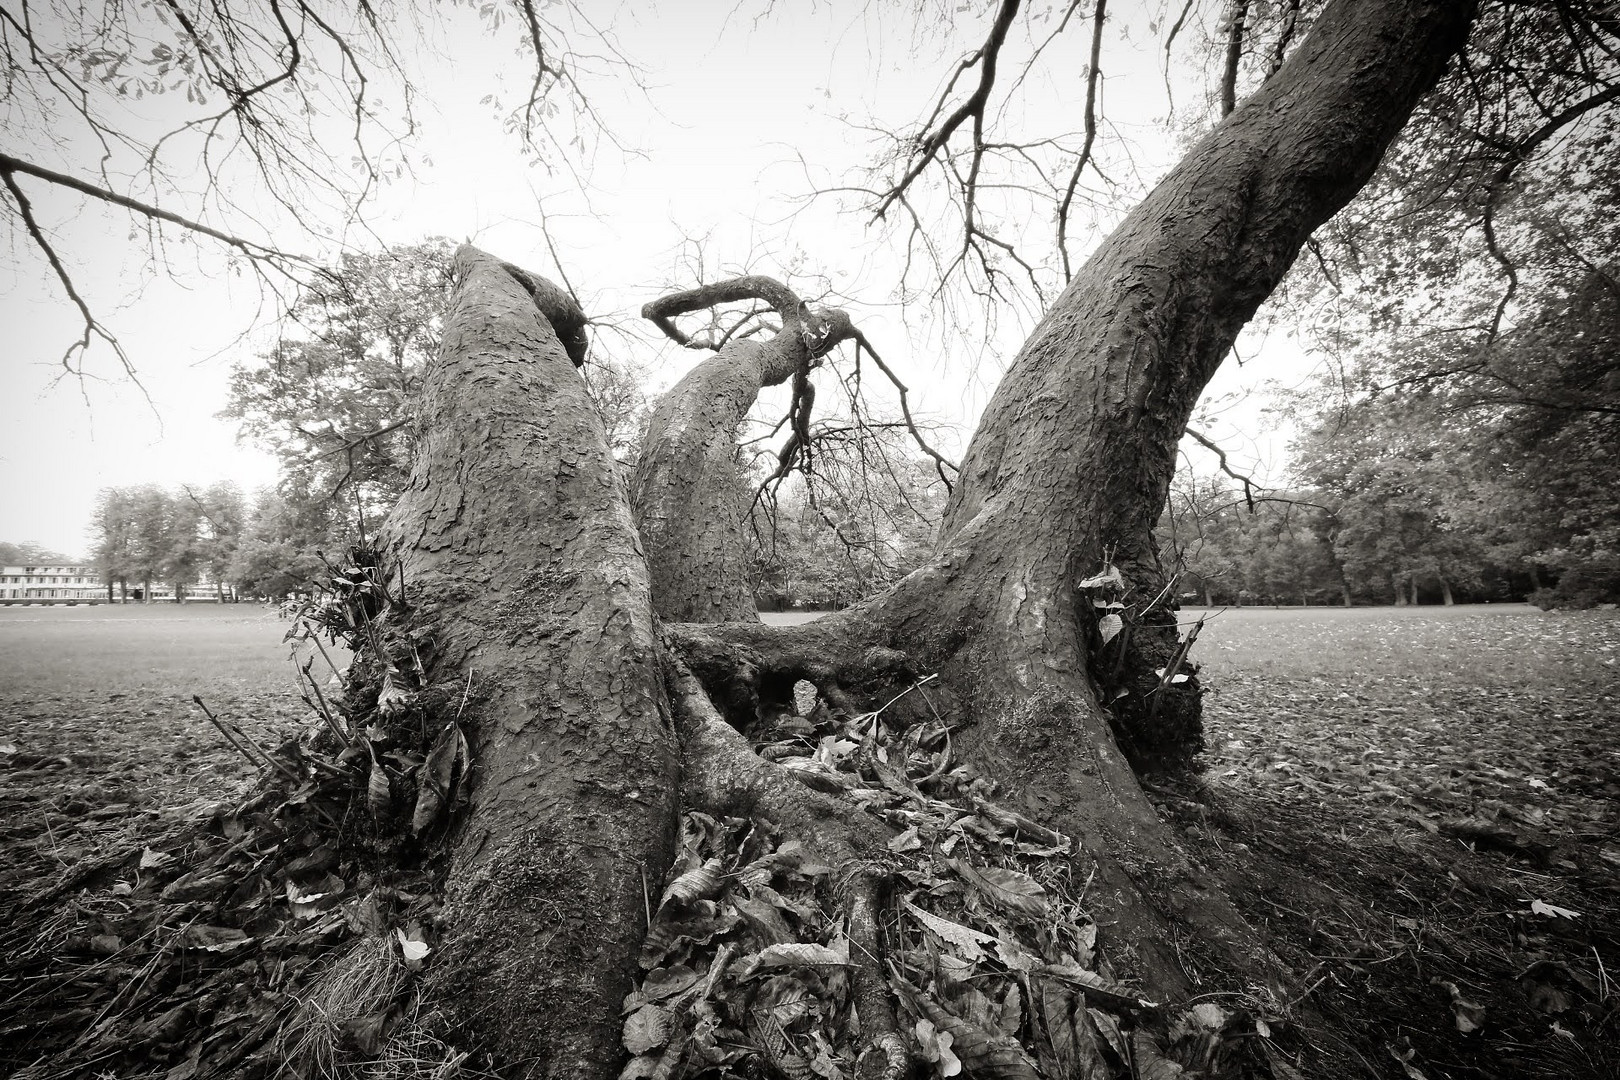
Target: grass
[1386,793]
[1389,792]
[164,648]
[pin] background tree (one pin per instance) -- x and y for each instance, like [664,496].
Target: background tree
[278,554]
[224,516]
[1500,470]
[28,553]
[332,399]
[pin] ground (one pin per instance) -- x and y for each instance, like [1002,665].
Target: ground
[1418,804]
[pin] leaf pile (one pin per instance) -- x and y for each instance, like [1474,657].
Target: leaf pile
[194,953]
[985,943]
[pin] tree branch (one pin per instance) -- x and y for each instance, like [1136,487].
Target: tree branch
[1091,137]
[1212,447]
[973,108]
[252,249]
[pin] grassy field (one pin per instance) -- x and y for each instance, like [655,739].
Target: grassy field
[179,648]
[1389,792]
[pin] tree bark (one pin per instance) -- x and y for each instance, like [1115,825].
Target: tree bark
[690,495]
[517,543]
[1071,464]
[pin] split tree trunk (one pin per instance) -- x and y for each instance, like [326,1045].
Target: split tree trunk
[517,539]
[1071,465]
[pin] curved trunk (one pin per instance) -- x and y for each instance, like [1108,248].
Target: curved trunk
[1069,471]
[519,552]
[690,494]
[518,543]
[1072,461]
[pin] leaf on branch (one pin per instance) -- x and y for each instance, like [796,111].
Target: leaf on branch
[1109,626]
[1109,575]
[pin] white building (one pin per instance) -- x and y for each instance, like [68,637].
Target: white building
[58,583]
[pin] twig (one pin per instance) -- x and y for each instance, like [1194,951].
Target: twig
[241,742]
[321,707]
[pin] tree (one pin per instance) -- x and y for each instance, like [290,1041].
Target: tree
[113,540]
[332,399]
[1503,469]
[1231,548]
[28,553]
[151,511]
[525,558]
[278,553]
[592,724]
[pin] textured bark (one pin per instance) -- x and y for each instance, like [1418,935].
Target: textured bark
[515,529]
[690,495]
[517,543]
[1073,458]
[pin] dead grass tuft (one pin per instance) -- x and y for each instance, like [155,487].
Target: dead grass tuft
[347,1011]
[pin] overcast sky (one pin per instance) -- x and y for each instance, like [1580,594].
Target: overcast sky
[737,111]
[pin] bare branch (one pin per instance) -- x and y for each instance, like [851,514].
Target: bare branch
[751,287]
[252,249]
[931,142]
[1214,448]
[1234,54]
[92,328]
[1092,74]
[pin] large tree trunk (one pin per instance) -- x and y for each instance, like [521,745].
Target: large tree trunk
[523,563]
[690,494]
[518,543]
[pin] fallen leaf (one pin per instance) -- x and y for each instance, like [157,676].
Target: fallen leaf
[414,950]
[1537,907]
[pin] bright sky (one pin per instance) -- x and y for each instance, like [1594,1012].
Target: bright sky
[734,103]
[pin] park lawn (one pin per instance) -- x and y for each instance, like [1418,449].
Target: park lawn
[101,743]
[1410,800]
[1407,799]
